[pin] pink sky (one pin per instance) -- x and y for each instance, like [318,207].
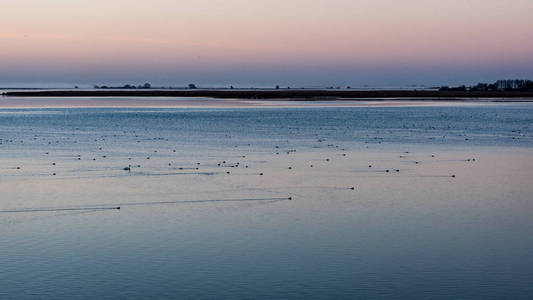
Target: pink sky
[91,39]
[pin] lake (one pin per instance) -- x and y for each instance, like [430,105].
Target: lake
[267,201]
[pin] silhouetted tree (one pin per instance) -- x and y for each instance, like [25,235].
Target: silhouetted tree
[480,87]
[192,86]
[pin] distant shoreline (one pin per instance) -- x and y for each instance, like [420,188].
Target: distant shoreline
[287,94]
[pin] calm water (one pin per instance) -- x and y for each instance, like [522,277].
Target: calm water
[441,202]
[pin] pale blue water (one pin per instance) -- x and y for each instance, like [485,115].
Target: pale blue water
[493,125]
[420,234]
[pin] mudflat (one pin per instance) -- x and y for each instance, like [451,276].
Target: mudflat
[293,94]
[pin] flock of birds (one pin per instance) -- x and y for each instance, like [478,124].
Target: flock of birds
[130,149]
[97,151]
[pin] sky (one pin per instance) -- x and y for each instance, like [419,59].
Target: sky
[265,42]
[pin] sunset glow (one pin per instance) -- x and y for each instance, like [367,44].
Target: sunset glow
[265,41]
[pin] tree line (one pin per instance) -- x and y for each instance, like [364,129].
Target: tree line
[500,85]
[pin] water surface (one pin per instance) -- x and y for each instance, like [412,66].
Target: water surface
[385,202]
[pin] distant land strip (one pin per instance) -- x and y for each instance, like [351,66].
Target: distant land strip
[292,94]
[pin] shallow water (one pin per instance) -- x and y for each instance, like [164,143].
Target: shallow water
[444,211]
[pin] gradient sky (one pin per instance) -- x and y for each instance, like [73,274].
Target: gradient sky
[265,42]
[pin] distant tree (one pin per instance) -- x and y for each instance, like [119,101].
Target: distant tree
[480,87]
[192,86]
[231,87]
[515,84]
[277,87]
[147,85]
[96,86]
[348,87]
[492,87]
[75,86]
